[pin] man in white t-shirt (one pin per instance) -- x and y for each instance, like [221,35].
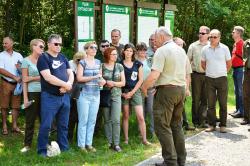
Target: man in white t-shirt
[216,61]
[9,79]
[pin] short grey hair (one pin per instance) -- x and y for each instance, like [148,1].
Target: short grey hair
[164,31]
[215,31]
[239,29]
[53,36]
[116,30]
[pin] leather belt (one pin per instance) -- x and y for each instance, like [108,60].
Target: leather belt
[195,72]
[4,79]
[167,86]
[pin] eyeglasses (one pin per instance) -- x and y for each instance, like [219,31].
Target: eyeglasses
[103,46]
[151,39]
[93,47]
[57,44]
[41,46]
[213,37]
[202,33]
[114,54]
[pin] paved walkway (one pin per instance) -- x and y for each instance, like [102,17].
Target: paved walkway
[215,149]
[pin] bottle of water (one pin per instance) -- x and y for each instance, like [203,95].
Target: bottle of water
[99,80]
[29,103]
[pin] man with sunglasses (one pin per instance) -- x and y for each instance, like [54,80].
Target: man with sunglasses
[237,65]
[199,96]
[102,47]
[56,81]
[9,79]
[216,61]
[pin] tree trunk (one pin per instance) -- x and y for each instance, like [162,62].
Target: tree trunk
[7,17]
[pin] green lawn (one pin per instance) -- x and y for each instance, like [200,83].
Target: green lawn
[133,153]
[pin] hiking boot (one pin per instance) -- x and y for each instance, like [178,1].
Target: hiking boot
[210,129]
[237,115]
[223,129]
[244,122]
[90,148]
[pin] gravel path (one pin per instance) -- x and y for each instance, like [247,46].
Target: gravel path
[215,149]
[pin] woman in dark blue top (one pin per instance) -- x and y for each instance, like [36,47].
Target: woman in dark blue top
[131,94]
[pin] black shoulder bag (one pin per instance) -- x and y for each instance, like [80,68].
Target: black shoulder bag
[105,95]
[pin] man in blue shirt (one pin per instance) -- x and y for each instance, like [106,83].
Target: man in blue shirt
[56,80]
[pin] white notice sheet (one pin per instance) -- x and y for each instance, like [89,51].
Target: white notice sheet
[117,21]
[146,26]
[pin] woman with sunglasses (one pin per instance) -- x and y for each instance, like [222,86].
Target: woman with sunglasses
[31,90]
[89,76]
[131,93]
[112,113]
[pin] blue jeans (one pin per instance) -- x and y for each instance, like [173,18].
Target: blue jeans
[238,89]
[87,108]
[148,109]
[53,107]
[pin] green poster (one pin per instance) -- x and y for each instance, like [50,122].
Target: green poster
[147,23]
[85,22]
[169,20]
[116,17]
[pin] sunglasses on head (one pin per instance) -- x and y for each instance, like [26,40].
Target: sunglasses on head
[57,44]
[202,33]
[213,37]
[103,46]
[93,47]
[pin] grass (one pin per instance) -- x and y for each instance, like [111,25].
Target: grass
[133,153]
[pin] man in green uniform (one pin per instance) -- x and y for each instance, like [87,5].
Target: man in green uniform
[169,70]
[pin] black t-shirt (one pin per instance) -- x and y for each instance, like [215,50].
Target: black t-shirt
[58,67]
[131,74]
[99,56]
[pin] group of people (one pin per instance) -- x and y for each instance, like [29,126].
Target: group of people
[154,80]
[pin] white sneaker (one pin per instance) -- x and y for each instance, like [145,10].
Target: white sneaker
[25,149]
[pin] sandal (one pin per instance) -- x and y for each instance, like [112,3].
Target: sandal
[146,143]
[5,131]
[126,142]
[16,130]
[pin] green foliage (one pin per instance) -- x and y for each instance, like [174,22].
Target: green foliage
[28,19]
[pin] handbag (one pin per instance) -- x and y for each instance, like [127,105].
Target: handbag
[76,89]
[105,95]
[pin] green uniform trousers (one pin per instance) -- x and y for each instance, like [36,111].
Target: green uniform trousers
[199,99]
[168,107]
